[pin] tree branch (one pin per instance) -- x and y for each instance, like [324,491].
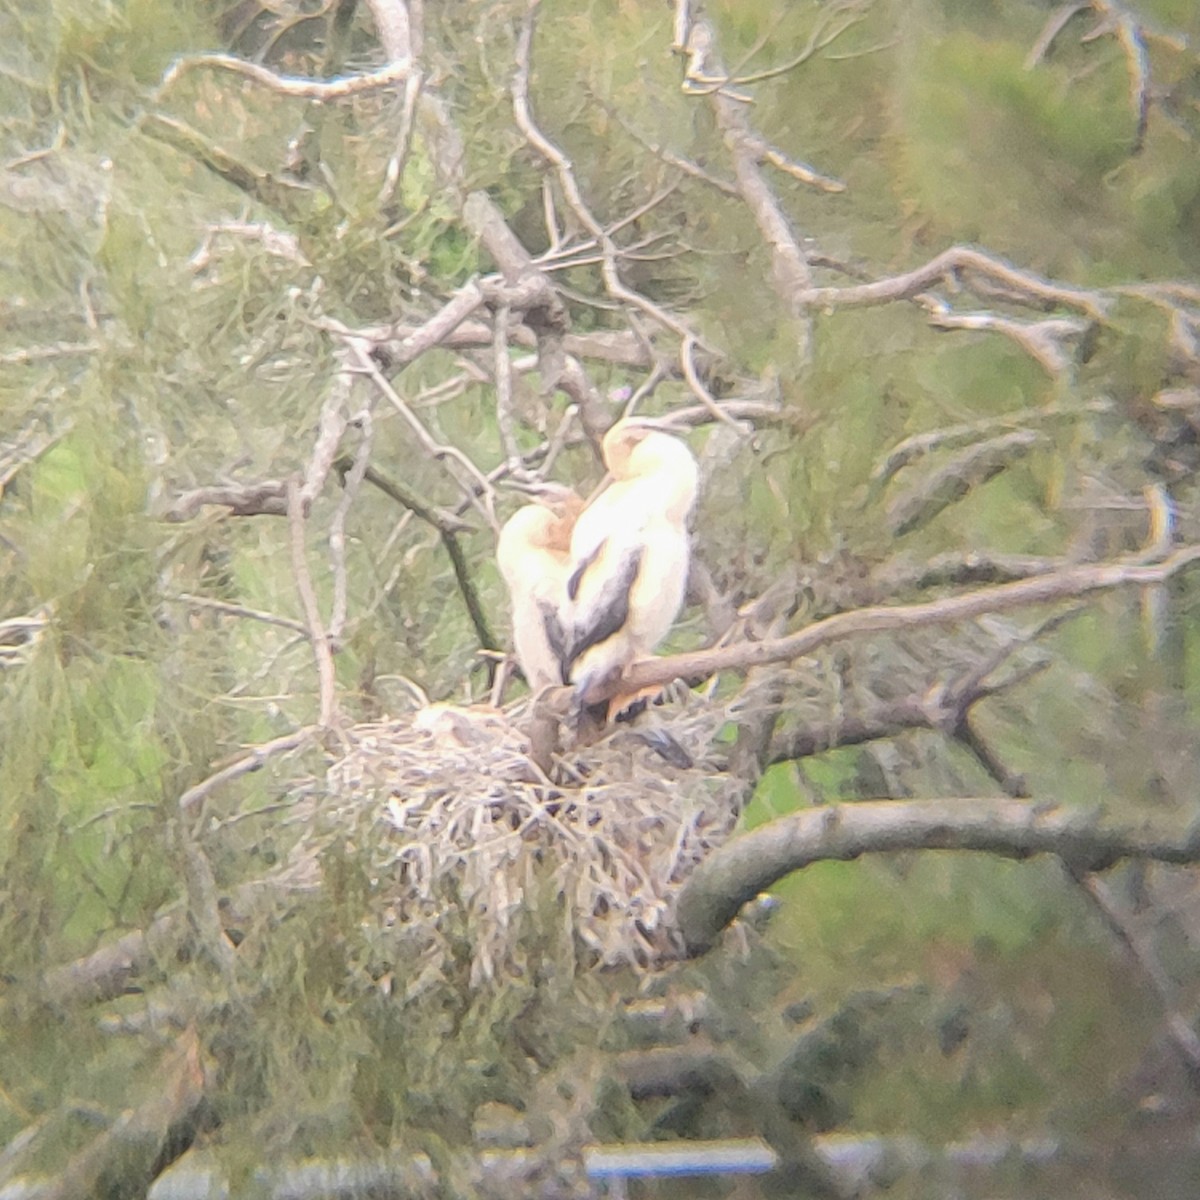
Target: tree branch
[1050,588]
[747,865]
[288,85]
[946,267]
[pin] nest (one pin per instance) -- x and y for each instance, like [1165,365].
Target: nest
[473,852]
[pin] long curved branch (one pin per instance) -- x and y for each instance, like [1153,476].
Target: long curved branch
[749,864]
[1066,584]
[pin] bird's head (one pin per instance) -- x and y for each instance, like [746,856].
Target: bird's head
[642,446]
[544,525]
[564,502]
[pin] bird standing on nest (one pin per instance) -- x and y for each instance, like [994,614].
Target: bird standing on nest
[629,560]
[533,555]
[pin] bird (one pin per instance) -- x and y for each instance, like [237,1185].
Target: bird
[629,556]
[533,554]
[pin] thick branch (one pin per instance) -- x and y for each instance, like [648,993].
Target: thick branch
[748,865]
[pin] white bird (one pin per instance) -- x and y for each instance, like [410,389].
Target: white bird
[534,560]
[629,558]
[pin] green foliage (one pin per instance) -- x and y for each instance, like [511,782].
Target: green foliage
[930,996]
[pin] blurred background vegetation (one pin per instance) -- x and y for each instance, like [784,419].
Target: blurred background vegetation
[168,259]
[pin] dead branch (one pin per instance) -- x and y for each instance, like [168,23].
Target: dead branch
[296,87]
[275,191]
[265,498]
[1117,18]
[1052,342]
[239,610]
[318,638]
[32,354]
[523,114]
[751,863]
[790,273]
[449,527]
[114,968]
[953,569]
[1058,20]
[254,759]
[958,478]
[474,484]
[948,267]
[1053,587]
[828,28]
[954,436]
[351,482]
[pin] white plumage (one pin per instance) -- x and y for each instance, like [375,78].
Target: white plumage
[534,560]
[629,557]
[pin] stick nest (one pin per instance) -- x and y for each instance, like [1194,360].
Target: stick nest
[473,852]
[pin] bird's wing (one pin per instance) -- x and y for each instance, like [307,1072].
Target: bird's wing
[611,571]
[557,636]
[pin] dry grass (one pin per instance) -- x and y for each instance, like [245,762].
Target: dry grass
[467,842]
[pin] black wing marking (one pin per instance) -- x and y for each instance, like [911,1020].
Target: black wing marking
[612,605]
[581,570]
[556,636]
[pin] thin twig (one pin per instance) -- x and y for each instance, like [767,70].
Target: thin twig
[239,610]
[351,481]
[523,113]
[254,759]
[319,640]
[287,85]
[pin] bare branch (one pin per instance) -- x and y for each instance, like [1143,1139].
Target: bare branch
[1055,24]
[317,636]
[239,610]
[288,85]
[266,498]
[523,113]
[32,354]
[946,268]
[448,527]
[1048,341]
[751,863]
[958,478]
[790,273]
[254,759]
[1053,587]
[1129,33]
[475,484]
[953,436]
[351,482]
